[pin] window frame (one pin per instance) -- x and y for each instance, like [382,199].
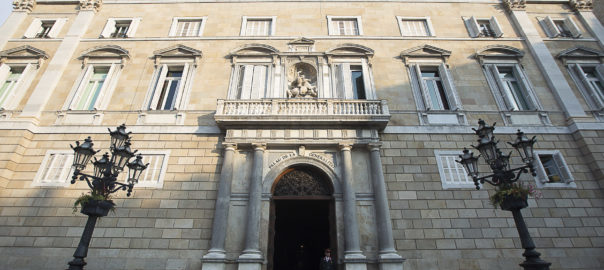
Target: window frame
[19,88]
[174,27]
[552,31]
[474,28]
[342,86]
[335,32]
[497,86]
[245,19]
[446,184]
[110,27]
[106,91]
[162,170]
[575,69]
[65,172]
[36,26]
[183,91]
[421,90]
[427,24]
[541,179]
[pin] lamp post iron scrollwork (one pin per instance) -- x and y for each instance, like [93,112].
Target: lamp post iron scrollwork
[102,182]
[503,176]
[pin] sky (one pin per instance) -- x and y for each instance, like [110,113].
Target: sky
[6,6]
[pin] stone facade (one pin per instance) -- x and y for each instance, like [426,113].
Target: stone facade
[224,149]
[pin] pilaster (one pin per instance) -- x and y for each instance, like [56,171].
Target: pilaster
[584,9]
[547,64]
[51,77]
[20,10]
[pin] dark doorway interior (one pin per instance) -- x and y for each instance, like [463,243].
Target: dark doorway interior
[301,233]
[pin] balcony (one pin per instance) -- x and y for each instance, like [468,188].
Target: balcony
[302,113]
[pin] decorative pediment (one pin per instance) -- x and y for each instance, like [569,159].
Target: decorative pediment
[499,52]
[425,51]
[302,41]
[581,53]
[254,50]
[24,52]
[301,45]
[350,49]
[177,51]
[105,52]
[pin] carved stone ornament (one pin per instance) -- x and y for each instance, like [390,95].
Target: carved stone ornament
[302,78]
[512,5]
[582,5]
[93,5]
[23,5]
[300,182]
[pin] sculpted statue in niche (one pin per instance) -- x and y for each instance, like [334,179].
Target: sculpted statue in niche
[302,79]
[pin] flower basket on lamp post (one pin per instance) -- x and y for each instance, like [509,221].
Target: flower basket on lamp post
[511,203]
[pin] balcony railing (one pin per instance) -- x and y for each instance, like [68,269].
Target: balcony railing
[316,111]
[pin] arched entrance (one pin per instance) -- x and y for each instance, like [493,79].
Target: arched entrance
[302,220]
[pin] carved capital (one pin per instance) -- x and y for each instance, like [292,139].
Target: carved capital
[24,5]
[229,146]
[93,5]
[374,146]
[345,146]
[582,5]
[512,5]
[259,146]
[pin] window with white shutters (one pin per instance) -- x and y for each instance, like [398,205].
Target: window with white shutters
[44,28]
[258,26]
[120,27]
[154,175]
[552,170]
[511,87]
[93,86]
[187,26]
[14,79]
[435,85]
[590,79]
[487,27]
[352,81]
[560,27]
[252,81]
[452,174]
[55,169]
[168,87]
[344,26]
[418,27]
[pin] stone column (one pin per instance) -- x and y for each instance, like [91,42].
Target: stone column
[585,10]
[388,258]
[20,10]
[546,62]
[353,257]
[54,72]
[251,258]
[215,259]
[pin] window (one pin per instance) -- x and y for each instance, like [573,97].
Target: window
[258,26]
[565,28]
[154,175]
[434,84]
[168,87]
[93,86]
[120,27]
[344,26]
[14,79]
[590,79]
[252,81]
[351,81]
[511,86]
[552,170]
[483,27]
[44,28]
[419,27]
[55,169]
[187,27]
[452,174]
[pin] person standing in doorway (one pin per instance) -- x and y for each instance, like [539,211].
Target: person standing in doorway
[327,262]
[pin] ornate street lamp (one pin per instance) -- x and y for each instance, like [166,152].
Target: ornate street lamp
[504,177]
[102,183]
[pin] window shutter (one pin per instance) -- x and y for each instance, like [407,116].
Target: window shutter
[506,98]
[472,25]
[4,71]
[597,101]
[541,174]
[248,76]
[110,74]
[430,27]
[416,85]
[34,27]
[133,26]
[56,27]
[572,27]
[108,29]
[550,26]
[181,86]
[81,86]
[158,84]
[173,27]
[448,83]
[563,168]
[23,80]
[527,87]
[259,82]
[340,89]
[347,81]
[496,27]
[422,86]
